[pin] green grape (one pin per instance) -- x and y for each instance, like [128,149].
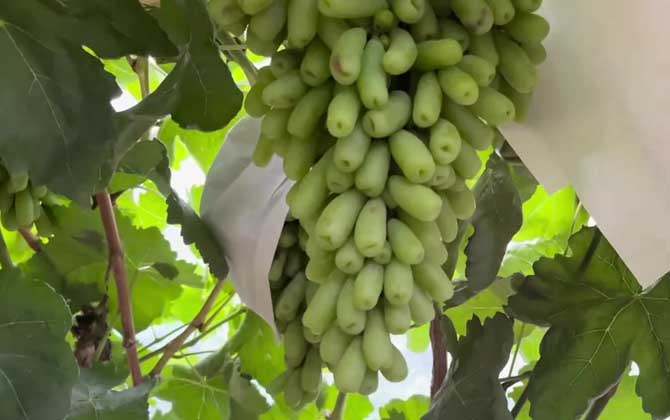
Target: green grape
[347,56]
[263,152]
[310,337]
[398,282]
[343,112]
[447,223]
[303,236]
[418,200]
[408,11]
[385,20]
[484,47]
[9,220]
[521,101]
[294,344]
[429,235]
[294,262]
[434,281]
[370,229]
[372,175]
[458,85]
[427,101]
[338,219]
[454,30]
[467,164]
[239,28]
[315,64]
[310,290]
[273,125]
[445,142]
[390,203]
[310,375]
[370,383]
[17,182]
[309,195]
[503,11]
[528,28]
[421,307]
[349,319]
[472,129]
[384,257]
[293,392]
[368,286]
[321,311]
[475,15]
[478,68]
[536,53]
[288,236]
[393,116]
[527,5]
[350,370]
[330,30]
[372,81]
[406,247]
[398,318]
[333,344]
[261,47]
[310,396]
[412,156]
[6,199]
[283,62]
[442,8]
[291,298]
[350,9]
[401,53]
[307,113]
[268,24]
[318,270]
[225,12]
[427,27]
[348,259]
[338,181]
[315,252]
[44,225]
[301,22]
[493,107]
[277,267]
[437,54]
[397,371]
[459,185]
[515,66]
[350,151]
[253,101]
[302,151]
[377,347]
[251,7]
[285,92]
[462,203]
[444,178]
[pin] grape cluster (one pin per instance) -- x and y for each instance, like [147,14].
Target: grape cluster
[22,203]
[378,109]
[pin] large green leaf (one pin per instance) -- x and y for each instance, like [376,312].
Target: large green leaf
[37,368]
[600,320]
[58,121]
[261,354]
[412,409]
[94,399]
[472,390]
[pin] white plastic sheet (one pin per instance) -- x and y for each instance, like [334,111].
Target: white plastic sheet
[600,122]
[245,207]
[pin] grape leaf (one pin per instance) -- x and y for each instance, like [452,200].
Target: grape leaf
[418,339]
[600,320]
[94,399]
[37,368]
[261,354]
[58,124]
[145,160]
[472,390]
[550,216]
[412,409]
[149,211]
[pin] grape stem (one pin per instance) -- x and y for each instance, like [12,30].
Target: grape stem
[175,345]
[5,257]
[118,267]
[340,405]
[33,241]
[600,404]
[439,347]
[523,399]
[237,55]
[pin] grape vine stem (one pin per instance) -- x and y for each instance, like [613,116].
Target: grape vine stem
[175,345]
[439,347]
[5,257]
[33,241]
[117,264]
[340,405]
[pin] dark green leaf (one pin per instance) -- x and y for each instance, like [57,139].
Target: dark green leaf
[37,369]
[412,409]
[600,320]
[93,398]
[58,123]
[147,159]
[472,390]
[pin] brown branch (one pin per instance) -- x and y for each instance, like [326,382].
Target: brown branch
[439,347]
[32,240]
[340,405]
[175,345]
[117,263]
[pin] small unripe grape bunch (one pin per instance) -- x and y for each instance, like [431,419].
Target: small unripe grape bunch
[379,110]
[23,203]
